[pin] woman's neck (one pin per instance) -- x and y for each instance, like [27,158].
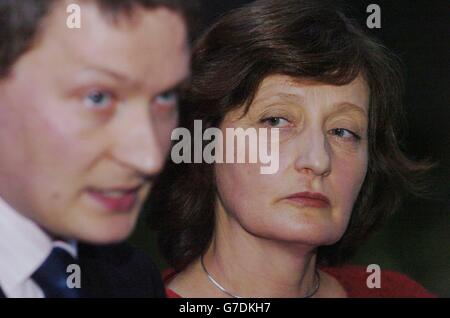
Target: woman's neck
[250,266]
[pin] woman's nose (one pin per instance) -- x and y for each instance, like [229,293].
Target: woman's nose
[314,154]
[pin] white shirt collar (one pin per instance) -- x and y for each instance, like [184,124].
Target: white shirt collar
[24,246]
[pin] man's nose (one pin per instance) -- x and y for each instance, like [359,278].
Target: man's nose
[137,145]
[314,153]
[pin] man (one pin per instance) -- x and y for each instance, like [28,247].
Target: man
[85,116]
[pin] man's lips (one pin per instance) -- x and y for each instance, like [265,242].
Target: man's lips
[117,198]
[310,199]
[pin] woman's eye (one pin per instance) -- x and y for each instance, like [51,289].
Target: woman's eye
[345,133]
[276,122]
[98,99]
[168,98]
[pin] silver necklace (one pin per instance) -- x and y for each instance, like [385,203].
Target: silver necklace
[222,289]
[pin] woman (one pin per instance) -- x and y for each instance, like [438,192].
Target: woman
[304,69]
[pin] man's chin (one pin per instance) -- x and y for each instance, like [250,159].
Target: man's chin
[105,239]
[100,234]
[110,235]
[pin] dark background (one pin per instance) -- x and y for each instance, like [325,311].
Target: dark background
[415,241]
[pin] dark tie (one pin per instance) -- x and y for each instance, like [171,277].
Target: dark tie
[52,275]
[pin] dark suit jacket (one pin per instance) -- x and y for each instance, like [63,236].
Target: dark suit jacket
[117,271]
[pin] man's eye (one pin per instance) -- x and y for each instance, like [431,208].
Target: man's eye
[345,133]
[276,122]
[167,98]
[98,99]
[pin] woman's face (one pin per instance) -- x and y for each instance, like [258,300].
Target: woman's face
[322,149]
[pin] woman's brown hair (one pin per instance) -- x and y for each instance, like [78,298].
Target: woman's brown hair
[304,39]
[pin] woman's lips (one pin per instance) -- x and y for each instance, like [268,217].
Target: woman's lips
[308,199]
[115,200]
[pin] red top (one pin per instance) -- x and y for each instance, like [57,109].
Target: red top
[353,280]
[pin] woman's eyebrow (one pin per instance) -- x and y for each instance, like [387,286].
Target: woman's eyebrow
[298,99]
[347,107]
[338,107]
[287,97]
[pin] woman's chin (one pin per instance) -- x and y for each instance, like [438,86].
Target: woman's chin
[313,234]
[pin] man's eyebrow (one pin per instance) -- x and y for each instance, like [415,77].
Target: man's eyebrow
[110,73]
[181,84]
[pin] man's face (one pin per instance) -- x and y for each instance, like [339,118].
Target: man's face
[86,118]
